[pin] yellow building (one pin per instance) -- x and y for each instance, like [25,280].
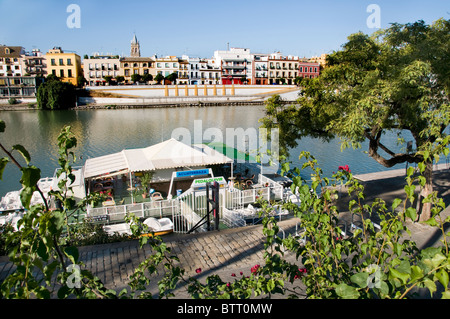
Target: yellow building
[66,66]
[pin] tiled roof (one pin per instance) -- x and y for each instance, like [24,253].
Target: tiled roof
[14,51]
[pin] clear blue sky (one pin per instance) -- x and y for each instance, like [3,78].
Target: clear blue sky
[199,27]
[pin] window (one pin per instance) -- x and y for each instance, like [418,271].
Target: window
[61,73]
[315,69]
[53,62]
[61,62]
[301,69]
[69,61]
[127,72]
[69,73]
[158,65]
[54,72]
[166,65]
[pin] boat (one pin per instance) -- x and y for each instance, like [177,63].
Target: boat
[158,227]
[11,201]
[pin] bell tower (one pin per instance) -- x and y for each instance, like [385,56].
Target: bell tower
[135,48]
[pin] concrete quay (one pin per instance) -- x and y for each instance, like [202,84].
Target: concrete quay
[230,251]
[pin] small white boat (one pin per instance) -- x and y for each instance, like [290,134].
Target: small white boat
[11,201]
[11,218]
[158,227]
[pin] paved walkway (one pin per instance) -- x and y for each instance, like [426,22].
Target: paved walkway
[228,251]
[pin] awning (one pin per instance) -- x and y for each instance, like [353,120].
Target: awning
[165,155]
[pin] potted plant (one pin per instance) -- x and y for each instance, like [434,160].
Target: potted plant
[146,178]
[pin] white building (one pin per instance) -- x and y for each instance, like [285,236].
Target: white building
[203,71]
[236,65]
[11,60]
[98,66]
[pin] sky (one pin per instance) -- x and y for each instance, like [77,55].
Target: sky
[199,27]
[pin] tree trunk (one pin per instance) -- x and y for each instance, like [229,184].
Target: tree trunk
[424,209]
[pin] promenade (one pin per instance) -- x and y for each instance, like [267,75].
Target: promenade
[231,251]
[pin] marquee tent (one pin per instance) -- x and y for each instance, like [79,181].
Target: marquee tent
[165,155]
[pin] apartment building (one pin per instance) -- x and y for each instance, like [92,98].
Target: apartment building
[11,60]
[34,63]
[308,69]
[282,69]
[19,86]
[236,65]
[261,65]
[96,67]
[65,65]
[136,65]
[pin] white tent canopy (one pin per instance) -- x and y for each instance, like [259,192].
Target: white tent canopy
[165,155]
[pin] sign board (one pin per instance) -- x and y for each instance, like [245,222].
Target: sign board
[191,173]
[200,184]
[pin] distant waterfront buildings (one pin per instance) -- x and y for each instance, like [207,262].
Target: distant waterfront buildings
[65,65]
[231,66]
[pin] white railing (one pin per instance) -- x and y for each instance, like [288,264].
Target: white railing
[155,209]
[231,219]
[190,207]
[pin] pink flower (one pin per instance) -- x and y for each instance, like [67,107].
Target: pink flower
[198,270]
[228,284]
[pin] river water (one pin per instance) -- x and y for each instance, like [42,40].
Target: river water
[101,132]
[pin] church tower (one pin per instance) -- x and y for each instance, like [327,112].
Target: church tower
[135,49]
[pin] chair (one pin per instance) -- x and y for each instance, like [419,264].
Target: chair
[157,196]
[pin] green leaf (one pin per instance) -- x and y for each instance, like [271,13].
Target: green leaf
[399,275]
[360,279]
[430,285]
[416,273]
[396,202]
[30,176]
[25,196]
[3,162]
[72,253]
[442,276]
[21,149]
[411,213]
[347,292]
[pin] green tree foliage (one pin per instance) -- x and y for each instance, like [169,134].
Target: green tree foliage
[395,80]
[55,95]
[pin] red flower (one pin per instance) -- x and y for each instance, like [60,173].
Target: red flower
[233,275]
[344,168]
[241,273]
[254,269]
[198,270]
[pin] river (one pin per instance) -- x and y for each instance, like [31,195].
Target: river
[101,132]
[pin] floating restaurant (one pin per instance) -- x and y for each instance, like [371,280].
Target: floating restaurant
[171,184]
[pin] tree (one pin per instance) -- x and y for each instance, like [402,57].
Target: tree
[108,79]
[147,78]
[397,80]
[120,79]
[172,77]
[159,78]
[54,94]
[135,78]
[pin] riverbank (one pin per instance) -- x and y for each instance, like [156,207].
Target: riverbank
[129,97]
